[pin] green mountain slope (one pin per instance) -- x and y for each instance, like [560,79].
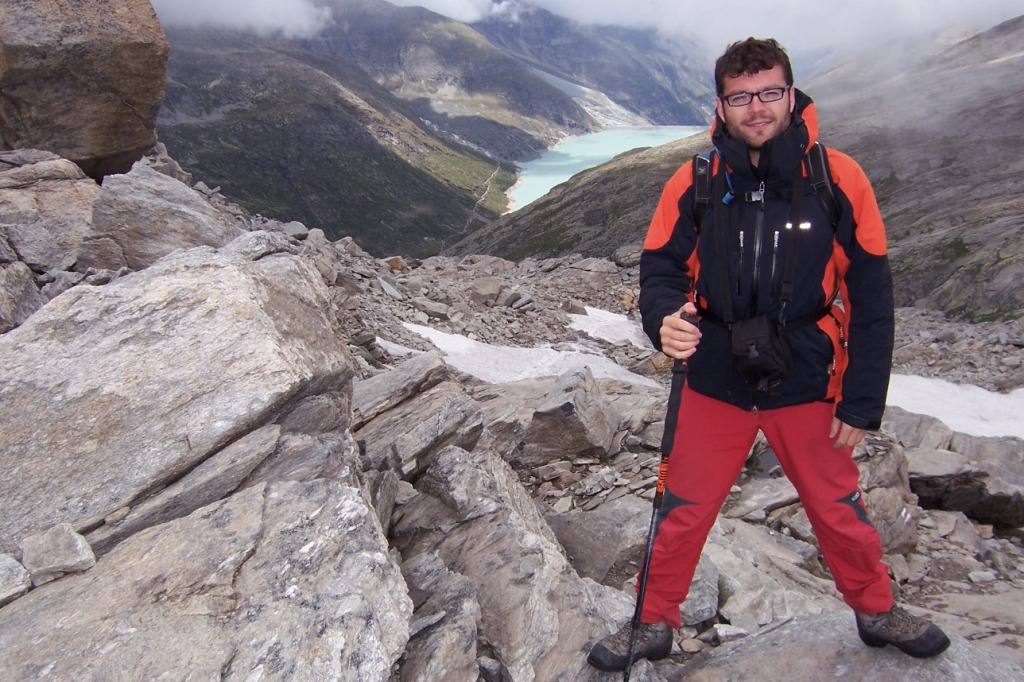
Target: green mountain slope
[453,78]
[300,136]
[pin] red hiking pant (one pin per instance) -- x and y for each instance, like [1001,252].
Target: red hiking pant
[710,444]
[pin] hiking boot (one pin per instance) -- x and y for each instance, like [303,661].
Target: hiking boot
[909,634]
[653,641]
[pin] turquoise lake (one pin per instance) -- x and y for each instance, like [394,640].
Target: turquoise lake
[576,154]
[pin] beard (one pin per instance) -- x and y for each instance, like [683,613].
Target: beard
[757,129]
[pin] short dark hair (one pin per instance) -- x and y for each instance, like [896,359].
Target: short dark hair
[751,56]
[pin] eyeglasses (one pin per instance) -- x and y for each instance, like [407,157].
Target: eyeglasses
[742,99]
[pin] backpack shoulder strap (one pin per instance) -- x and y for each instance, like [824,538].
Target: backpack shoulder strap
[820,177]
[702,167]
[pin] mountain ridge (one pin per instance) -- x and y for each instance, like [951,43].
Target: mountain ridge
[454,113]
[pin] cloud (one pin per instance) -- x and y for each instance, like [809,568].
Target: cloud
[291,18]
[803,27]
[466,11]
[799,25]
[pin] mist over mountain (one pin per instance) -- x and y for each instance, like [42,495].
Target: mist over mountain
[941,136]
[665,81]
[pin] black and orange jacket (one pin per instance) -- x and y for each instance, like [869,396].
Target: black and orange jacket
[844,357]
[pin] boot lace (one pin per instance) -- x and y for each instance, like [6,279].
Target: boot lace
[645,633]
[901,623]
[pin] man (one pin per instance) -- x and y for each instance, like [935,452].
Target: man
[795,339]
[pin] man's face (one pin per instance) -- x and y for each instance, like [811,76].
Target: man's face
[757,122]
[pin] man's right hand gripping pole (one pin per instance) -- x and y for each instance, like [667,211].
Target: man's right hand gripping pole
[679,333]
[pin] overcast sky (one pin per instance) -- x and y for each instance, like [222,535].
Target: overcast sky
[800,25]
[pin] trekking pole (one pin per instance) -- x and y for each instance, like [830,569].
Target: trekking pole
[675,396]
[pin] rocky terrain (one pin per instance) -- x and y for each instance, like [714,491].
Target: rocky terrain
[252,376]
[230,451]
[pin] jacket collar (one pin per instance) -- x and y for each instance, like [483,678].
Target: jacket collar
[779,156]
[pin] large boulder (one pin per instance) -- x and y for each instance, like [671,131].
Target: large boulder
[572,419]
[406,438]
[19,295]
[45,207]
[120,391]
[45,210]
[82,79]
[143,215]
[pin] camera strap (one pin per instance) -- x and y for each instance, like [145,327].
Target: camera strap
[721,250]
[794,227]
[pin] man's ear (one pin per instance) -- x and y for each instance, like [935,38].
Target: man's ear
[792,98]
[720,108]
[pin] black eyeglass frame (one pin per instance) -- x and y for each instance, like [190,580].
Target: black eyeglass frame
[749,96]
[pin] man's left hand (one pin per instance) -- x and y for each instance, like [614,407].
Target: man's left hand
[845,436]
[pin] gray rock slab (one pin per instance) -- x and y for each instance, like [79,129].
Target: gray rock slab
[1001,456]
[508,409]
[381,392]
[539,616]
[19,295]
[446,646]
[405,438]
[215,478]
[572,420]
[762,579]
[595,540]
[916,430]
[702,600]
[281,581]
[762,493]
[826,647]
[988,620]
[45,211]
[930,462]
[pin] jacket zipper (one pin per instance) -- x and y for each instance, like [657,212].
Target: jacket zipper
[842,343]
[739,277]
[758,238]
[775,258]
